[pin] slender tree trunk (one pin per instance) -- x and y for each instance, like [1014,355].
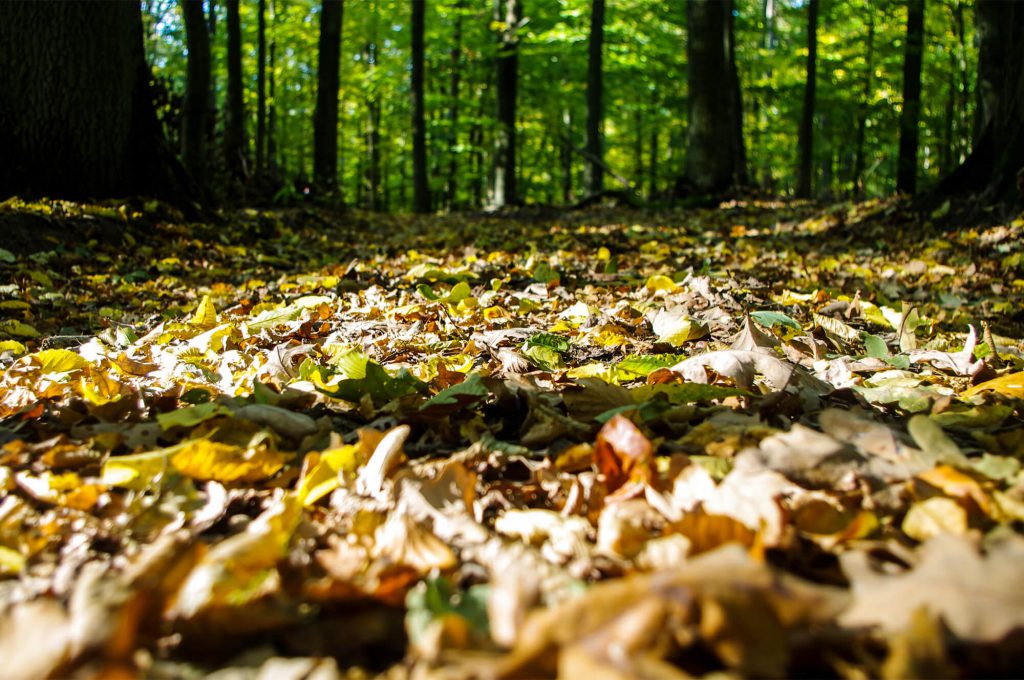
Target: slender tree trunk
[455,75]
[566,152]
[211,103]
[325,117]
[76,110]
[420,189]
[906,173]
[197,91]
[272,160]
[373,174]
[865,101]
[507,71]
[261,86]
[594,169]
[652,192]
[638,148]
[739,147]
[805,142]
[711,156]
[235,144]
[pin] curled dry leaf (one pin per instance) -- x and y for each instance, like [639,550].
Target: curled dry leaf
[385,456]
[622,453]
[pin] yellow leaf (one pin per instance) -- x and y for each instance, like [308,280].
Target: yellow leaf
[325,475]
[659,282]
[136,471]
[12,346]
[935,516]
[208,460]
[11,561]
[206,315]
[59,360]
[1011,385]
[604,254]
[954,483]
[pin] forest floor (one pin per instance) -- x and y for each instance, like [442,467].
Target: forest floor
[768,439]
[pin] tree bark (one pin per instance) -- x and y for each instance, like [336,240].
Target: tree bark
[865,101]
[325,116]
[76,111]
[211,101]
[906,171]
[711,154]
[993,166]
[593,172]
[805,141]
[454,82]
[261,87]
[235,144]
[420,188]
[272,164]
[197,91]
[507,72]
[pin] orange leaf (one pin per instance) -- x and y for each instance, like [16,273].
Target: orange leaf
[623,453]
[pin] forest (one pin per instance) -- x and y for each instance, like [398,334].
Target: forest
[511,338]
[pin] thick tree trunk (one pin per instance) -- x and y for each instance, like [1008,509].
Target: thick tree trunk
[995,163]
[236,150]
[711,155]
[325,117]
[261,86]
[420,189]
[76,111]
[805,141]
[739,147]
[507,71]
[593,170]
[211,100]
[906,172]
[197,91]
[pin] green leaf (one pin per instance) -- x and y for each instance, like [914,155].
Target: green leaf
[645,364]
[470,390]
[192,416]
[435,599]
[875,347]
[686,393]
[379,384]
[7,256]
[545,357]
[549,340]
[772,319]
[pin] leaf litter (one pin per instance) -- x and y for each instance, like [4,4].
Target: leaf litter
[756,440]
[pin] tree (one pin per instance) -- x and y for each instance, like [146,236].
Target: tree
[235,144]
[454,82]
[714,148]
[325,117]
[863,106]
[261,86]
[197,91]
[594,168]
[910,116]
[420,190]
[994,165]
[805,143]
[76,110]
[507,15]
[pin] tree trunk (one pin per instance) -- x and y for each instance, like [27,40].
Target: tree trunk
[272,164]
[420,189]
[325,116]
[235,145]
[566,157]
[197,91]
[507,71]
[373,173]
[211,102]
[76,111]
[652,192]
[261,86]
[455,77]
[805,142]
[739,148]
[593,170]
[865,101]
[906,173]
[711,156]
[994,165]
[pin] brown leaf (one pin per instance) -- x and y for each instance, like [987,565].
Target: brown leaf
[623,453]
